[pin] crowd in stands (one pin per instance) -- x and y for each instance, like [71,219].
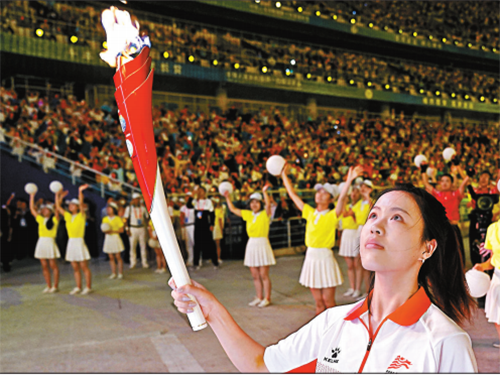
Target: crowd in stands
[196,148]
[190,43]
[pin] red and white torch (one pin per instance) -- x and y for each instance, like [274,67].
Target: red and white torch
[129,53]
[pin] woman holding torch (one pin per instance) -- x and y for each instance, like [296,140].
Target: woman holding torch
[259,253]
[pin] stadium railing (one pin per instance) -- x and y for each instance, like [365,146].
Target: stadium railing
[77,172]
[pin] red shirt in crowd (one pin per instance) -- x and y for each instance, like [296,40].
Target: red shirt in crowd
[451,201]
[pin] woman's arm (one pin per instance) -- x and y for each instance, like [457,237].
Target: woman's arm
[80,198]
[267,201]
[32,205]
[59,199]
[351,175]
[290,190]
[244,352]
[231,206]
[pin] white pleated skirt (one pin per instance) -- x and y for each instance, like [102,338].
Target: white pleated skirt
[259,253]
[113,244]
[217,233]
[77,250]
[46,248]
[320,269]
[349,244]
[492,304]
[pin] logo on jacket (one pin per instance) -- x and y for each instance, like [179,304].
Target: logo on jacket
[398,363]
[334,355]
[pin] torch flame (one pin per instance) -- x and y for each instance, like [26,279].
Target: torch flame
[122,36]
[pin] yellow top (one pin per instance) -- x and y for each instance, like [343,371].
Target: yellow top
[348,221]
[257,224]
[219,214]
[320,227]
[115,223]
[42,227]
[493,243]
[75,224]
[361,209]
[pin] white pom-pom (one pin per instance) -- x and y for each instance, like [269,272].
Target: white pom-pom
[358,181]
[448,153]
[275,165]
[478,282]
[430,171]
[30,188]
[419,159]
[55,186]
[154,244]
[225,186]
[105,227]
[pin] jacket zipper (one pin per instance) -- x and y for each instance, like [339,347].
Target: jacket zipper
[370,343]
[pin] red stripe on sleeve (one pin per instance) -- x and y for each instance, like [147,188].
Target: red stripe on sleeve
[309,368]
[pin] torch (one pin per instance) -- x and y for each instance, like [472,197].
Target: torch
[129,53]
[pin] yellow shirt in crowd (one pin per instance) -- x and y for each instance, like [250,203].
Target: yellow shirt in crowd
[75,224]
[257,224]
[361,209]
[348,221]
[42,227]
[320,227]
[492,242]
[115,223]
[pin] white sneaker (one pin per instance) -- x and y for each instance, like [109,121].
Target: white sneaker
[87,291]
[53,290]
[356,294]
[112,276]
[145,265]
[349,292]
[46,290]
[120,276]
[220,261]
[75,290]
[132,266]
[264,303]
[255,302]
[157,270]
[162,270]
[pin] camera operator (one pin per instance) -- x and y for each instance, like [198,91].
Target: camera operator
[484,197]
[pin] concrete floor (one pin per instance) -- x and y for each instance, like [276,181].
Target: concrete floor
[131,326]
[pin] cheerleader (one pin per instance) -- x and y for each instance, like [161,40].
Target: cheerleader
[258,253]
[349,245]
[113,244]
[76,251]
[320,271]
[492,304]
[161,264]
[218,227]
[46,248]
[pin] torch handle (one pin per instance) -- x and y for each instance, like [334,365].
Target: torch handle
[168,241]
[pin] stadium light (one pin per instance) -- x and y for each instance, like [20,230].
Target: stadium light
[215,62]
[105,45]
[421,91]
[334,17]
[494,49]
[369,84]
[278,4]
[370,25]
[437,93]
[73,39]
[351,82]
[166,55]
[308,75]
[387,86]
[386,27]
[443,40]
[453,95]
[469,45]
[318,13]
[236,66]
[495,100]
[400,31]
[353,21]
[415,34]
[300,9]
[264,69]
[39,33]
[191,58]
[466,97]
[483,48]
[257,1]
[329,78]
[482,98]
[293,62]
[288,72]
[431,37]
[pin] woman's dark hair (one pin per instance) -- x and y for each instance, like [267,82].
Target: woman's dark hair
[261,204]
[50,222]
[442,275]
[115,210]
